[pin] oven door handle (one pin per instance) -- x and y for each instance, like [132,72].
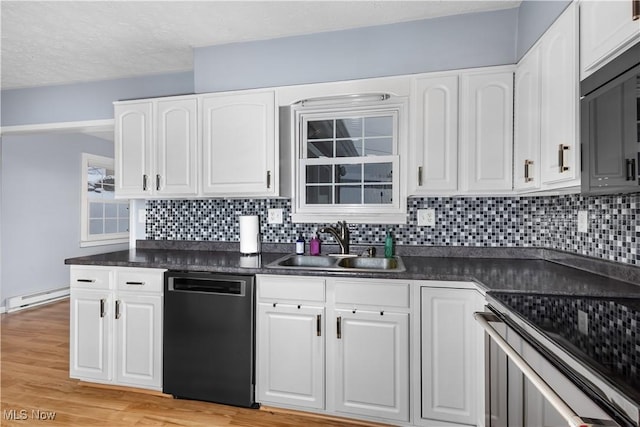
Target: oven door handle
[565,411]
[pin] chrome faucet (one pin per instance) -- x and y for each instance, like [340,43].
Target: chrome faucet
[342,236]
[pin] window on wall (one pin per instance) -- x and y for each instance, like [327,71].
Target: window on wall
[348,163]
[105,220]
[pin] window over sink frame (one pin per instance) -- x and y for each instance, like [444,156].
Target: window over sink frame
[350,160]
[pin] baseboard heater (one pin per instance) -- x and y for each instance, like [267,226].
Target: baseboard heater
[35,299]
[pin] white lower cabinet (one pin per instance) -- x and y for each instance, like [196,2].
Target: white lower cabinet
[90,333]
[334,346]
[116,325]
[451,356]
[372,364]
[290,362]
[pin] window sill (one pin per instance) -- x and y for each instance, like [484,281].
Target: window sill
[91,243]
[351,218]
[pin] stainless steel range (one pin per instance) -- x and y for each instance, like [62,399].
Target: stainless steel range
[584,350]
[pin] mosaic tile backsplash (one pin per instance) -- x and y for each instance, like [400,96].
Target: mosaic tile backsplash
[547,221]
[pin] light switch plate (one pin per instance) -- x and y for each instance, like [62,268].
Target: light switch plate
[583,322]
[142,215]
[426,217]
[274,216]
[583,222]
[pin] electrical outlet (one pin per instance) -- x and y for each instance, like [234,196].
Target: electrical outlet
[274,216]
[426,217]
[142,215]
[583,322]
[583,222]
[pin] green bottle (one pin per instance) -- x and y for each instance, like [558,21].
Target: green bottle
[388,245]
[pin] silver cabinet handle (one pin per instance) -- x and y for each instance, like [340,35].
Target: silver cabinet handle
[158,182]
[135,283]
[268,179]
[631,169]
[565,411]
[86,280]
[117,309]
[419,176]
[319,325]
[102,313]
[144,182]
[635,10]
[527,172]
[339,327]
[562,148]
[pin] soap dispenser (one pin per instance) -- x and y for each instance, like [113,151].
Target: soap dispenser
[314,244]
[300,245]
[388,245]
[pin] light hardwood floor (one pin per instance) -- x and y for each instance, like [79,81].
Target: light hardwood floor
[34,377]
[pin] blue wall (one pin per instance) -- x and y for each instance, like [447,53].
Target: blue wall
[452,42]
[40,209]
[534,17]
[85,101]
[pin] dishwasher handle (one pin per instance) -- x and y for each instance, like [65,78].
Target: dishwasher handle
[565,411]
[207,285]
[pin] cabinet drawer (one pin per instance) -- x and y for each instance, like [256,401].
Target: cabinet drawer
[90,277]
[291,288]
[372,292]
[140,280]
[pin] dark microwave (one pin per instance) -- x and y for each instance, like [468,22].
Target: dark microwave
[610,126]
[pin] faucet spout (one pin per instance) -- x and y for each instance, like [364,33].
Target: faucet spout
[341,234]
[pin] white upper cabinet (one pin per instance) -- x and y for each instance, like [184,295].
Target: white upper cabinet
[546,146]
[526,157]
[435,126]
[486,132]
[239,144]
[559,143]
[133,136]
[176,147]
[607,28]
[156,145]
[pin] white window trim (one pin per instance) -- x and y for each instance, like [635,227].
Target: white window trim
[87,240]
[395,213]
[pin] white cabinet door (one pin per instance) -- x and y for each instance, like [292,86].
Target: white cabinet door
[486,132]
[372,364]
[559,144]
[450,353]
[607,28]
[138,346]
[239,144]
[435,125]
[526,157]
[133,139]
[90,334]
[290,355]
[176,147]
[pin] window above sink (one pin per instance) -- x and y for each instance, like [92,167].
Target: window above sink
[348,161]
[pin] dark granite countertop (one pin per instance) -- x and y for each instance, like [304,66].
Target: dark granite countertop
[511,274]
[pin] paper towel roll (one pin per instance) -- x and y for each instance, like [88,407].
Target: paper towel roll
[249,234]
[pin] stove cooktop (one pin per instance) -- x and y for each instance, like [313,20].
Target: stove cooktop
[603,333]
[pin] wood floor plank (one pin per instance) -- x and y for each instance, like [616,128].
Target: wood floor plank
[34,381]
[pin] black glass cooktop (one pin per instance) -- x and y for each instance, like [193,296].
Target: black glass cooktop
[603,333]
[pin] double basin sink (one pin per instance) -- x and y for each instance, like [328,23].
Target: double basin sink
[339,263]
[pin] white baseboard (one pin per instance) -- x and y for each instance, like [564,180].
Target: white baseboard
[18,303]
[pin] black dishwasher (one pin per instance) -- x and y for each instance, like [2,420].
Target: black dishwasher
[209,337]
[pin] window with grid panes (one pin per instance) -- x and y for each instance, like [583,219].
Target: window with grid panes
[349,161]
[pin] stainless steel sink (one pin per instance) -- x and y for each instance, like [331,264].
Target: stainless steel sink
[338,263]
[370,263]
[306,261]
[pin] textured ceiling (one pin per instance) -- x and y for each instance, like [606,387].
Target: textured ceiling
[58,42]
